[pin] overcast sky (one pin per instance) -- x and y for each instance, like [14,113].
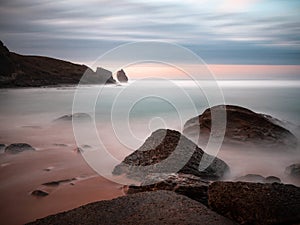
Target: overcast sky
[221,32]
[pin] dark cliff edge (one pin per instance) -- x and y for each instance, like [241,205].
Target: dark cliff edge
[35,71]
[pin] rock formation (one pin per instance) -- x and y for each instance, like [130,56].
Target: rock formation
[185,184]
[253,203]
[167,151]
[255,178]
[35,71]
[75,117]
[159,207]
[18,147]
[244,127]
[121,76]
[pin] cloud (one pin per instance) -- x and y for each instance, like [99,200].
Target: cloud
[73,27]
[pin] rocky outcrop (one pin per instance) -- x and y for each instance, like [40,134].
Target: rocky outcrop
[185,184]
[293,170]
[167,151]
[121,76]
[159,207]
[75,117]
[35,71]
[255,178]
[18,147]
[244,127]
[254,203]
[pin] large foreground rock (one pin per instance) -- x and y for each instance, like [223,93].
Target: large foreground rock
[18,147]
[160,207]
[167,151]
[185,184]
[243,127]
[255,203]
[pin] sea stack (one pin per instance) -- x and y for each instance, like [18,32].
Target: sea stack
[121,76]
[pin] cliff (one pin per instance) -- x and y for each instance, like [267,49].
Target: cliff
[34,71]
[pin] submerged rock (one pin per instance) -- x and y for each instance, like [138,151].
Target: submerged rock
[255,178]
[18,147]
[159,207]
[39,193]
[121,76]
[75,117]
[243,127]
[255,203]
[167,151]
[185,184]
[293,170]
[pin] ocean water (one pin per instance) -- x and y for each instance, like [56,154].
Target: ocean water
[123,116]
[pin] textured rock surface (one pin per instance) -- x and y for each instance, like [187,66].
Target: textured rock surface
[254,203]
[160,207]
[18,147]
[167,151]
[185,184]
[243,127]
[121,76]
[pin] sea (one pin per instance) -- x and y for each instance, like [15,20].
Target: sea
[116,119]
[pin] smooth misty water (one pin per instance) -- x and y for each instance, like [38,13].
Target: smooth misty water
[126,115]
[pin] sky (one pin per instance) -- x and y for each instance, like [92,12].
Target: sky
[229,35]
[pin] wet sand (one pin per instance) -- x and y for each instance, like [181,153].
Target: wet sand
[25,172]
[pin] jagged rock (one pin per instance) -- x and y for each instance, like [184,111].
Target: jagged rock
[255,178]
[18,147]
[39,193]
[167,151]
[121,76]
[75,117]
[185,184]
[256,203]
[293,170]
[244,127]
[159,207]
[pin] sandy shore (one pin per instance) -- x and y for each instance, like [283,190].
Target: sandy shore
[25,172]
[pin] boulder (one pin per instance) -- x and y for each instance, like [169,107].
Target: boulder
[185,184]
[255,178]
[18,147]
[168,151]
[256,203]
[159,207]
[244,127]
[293,170]
[121,76]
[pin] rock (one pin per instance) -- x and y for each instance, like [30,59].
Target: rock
[39,193]
[167,151]
[185,184]
[2,148]
[75,117]
[272,179]
[255,178]
[252,178]
[255,203]
[293,170]
[18,147]
[121,76]
[58,182]
[243,127]
[78,150]
[159,207]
